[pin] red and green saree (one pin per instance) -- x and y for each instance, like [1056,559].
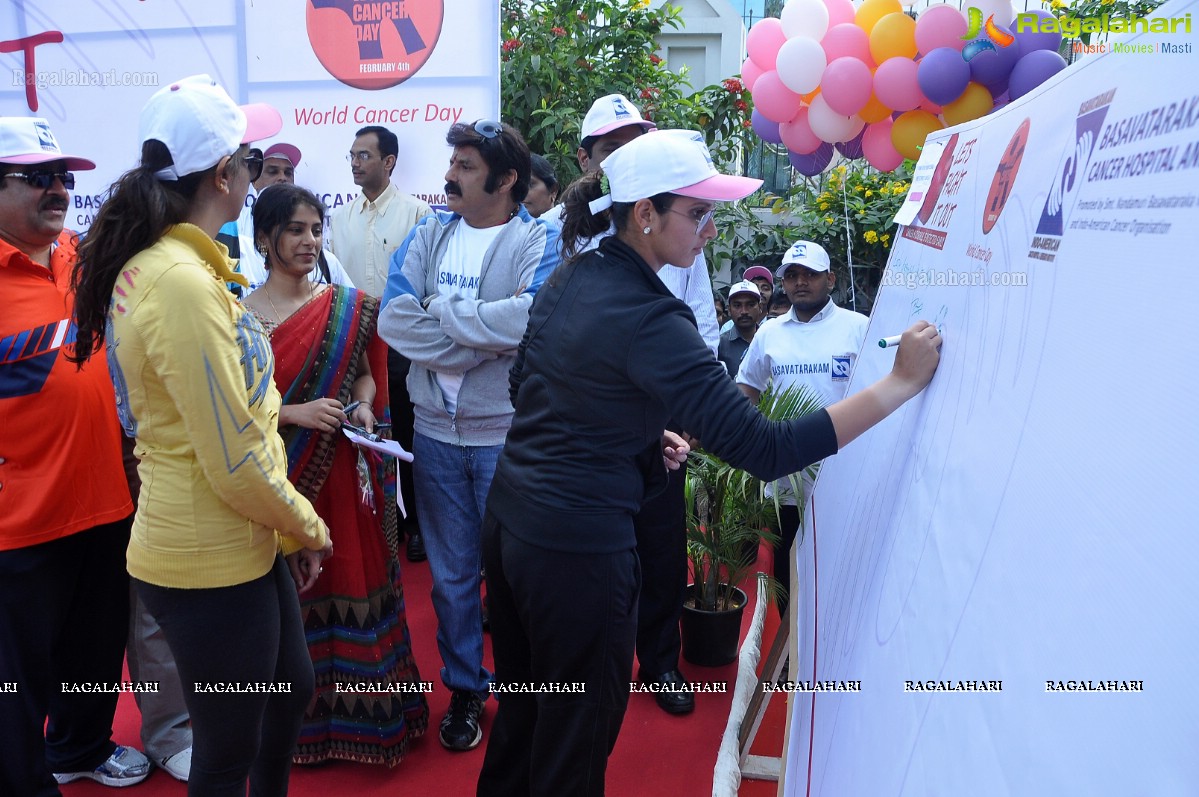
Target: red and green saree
[354,615]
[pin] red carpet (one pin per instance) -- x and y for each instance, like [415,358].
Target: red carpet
[656,754]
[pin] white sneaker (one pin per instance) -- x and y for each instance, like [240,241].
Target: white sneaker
[178,766]
[125,767]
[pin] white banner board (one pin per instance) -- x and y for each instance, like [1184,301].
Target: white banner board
[1005,568]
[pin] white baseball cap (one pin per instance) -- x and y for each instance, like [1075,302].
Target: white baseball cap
[610,113]
[745,286]
[200,124]
[28,140]
[668,161]
[804,253]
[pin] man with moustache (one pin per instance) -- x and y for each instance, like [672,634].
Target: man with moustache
[364,234]
[65,510]
[457,304]
[814,346]
[745,311]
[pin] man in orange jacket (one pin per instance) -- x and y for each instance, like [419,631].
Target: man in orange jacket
[64,501]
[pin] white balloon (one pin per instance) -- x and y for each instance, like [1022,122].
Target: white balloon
[1000,9]
[801,64]
[805,18]
[830,126]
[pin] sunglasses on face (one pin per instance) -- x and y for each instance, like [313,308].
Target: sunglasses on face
[254,165]
[43,180]
[700,217]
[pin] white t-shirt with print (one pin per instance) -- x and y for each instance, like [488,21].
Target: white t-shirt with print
[458,275]
[819,354]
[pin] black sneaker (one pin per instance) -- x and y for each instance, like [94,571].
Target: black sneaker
[460,726]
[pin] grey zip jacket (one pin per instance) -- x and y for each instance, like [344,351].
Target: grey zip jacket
[476,338]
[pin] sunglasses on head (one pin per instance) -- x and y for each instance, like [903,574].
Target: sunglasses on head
[43,179]
[484,128]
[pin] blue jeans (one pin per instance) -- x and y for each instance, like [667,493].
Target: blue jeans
[452,483]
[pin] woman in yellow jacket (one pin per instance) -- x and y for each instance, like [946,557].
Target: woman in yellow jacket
[218,525]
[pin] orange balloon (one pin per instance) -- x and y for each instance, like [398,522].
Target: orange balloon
[974,103]
[893,36]
[811,95]
[910,130]
[874,111]
[870,12]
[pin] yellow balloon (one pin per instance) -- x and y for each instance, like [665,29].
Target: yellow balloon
[893,36]
[872,11]
[874,111]
[910,130]
[975,102]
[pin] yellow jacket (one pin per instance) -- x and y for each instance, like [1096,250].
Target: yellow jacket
[194,378]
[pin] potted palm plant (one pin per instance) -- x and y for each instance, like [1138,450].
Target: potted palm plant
[729,514]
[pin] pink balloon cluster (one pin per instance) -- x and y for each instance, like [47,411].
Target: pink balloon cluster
[875,82]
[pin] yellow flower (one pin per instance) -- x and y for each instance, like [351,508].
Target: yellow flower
[869,192]
[641,4]
[828,219]
[871,237]
[824,206]
[841,169]
[858,188]
[886,237]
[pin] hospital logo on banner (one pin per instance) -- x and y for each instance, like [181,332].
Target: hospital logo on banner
[374,44]
[1068,177]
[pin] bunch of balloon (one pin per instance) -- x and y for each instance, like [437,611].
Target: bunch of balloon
[874,81]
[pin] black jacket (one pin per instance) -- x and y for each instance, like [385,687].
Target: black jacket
[608,358]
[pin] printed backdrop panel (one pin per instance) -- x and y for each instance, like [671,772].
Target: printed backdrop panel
[329,66]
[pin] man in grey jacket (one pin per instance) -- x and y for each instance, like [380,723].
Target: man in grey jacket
[457,303]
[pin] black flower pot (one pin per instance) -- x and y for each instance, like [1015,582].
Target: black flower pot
[710,638]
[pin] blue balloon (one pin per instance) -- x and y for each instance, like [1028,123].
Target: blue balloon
[1029,35]
[943,74]
[814,164]
[853,148]
[767,130]
[1032,70]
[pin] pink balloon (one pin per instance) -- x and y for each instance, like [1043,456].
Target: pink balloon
[846,85]
[750,72]
[839,12]
[878,149]
[896,85]
[847,41]
[940,26]
[764,40]
[774,100]
[797,134]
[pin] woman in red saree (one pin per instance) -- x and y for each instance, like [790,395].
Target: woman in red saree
[368,703]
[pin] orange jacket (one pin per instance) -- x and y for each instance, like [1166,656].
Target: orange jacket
[59,434]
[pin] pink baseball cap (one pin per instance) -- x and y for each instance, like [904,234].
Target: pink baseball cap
[610,113]
[669,161]
[288,152]
[199,123]
[758,272]
[28,140]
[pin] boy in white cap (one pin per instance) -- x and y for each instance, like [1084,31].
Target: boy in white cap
[745,312]
[814,345]
[608,358]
